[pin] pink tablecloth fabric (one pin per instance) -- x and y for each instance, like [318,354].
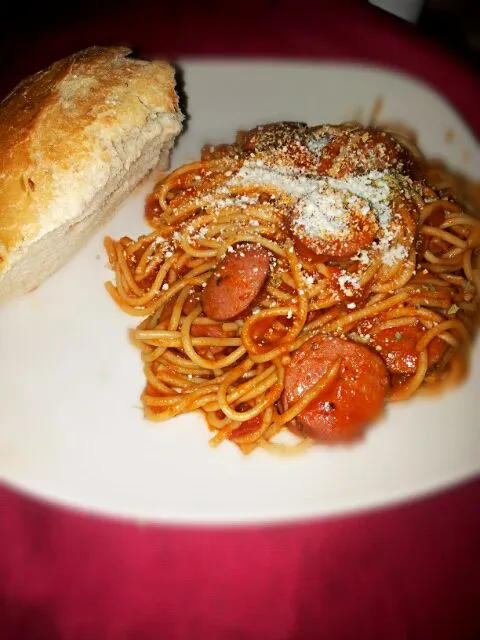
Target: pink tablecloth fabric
[406,572]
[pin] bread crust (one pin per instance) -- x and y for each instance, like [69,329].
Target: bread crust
[62,130]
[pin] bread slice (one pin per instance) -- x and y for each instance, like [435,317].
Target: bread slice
[75,139]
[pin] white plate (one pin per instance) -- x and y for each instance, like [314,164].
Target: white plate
[71,428]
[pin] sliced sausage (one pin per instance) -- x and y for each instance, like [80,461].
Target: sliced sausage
[362,150]
[398,348]
[236,282]
[330,247]
[286,144]
[351,402]
[333,223]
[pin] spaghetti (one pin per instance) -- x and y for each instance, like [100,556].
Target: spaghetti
[295,281]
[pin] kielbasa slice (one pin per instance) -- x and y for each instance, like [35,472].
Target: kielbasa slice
[333,223]
[236,282]
[355,398]
[398,348]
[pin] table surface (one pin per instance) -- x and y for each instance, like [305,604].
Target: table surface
[408,571]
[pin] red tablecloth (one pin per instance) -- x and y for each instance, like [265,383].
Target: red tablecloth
[410,571]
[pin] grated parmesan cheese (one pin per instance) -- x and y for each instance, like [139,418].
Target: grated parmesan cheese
[327,212]
[362,257]
[317,145]
[392,254]
[372,187]
[348,284]
[323,203]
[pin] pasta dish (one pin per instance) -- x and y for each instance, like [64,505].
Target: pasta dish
[297,280]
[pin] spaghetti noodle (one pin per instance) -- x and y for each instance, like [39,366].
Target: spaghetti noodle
[295,281]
